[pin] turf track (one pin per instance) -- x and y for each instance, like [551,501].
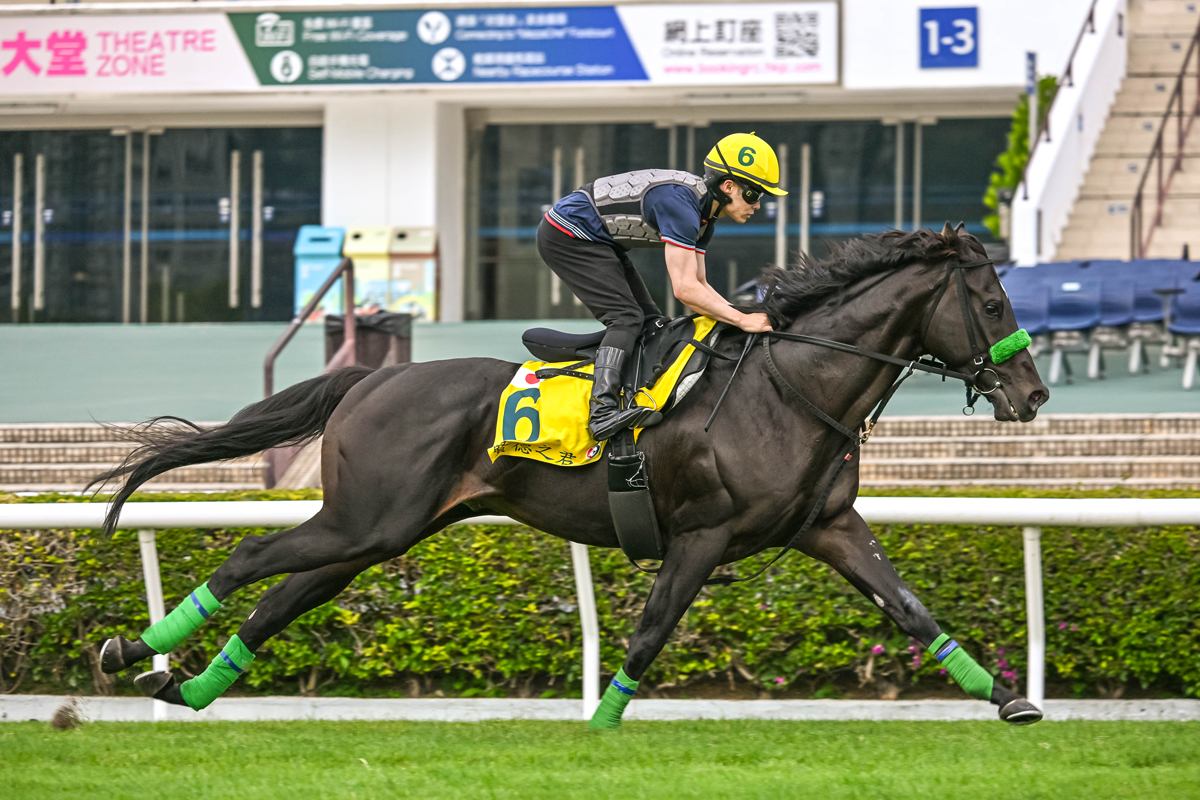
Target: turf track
[660,760]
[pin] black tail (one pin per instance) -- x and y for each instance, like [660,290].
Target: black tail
[296,415]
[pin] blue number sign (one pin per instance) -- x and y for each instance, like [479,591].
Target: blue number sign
[949,37]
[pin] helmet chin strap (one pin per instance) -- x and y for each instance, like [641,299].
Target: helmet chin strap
[723,199]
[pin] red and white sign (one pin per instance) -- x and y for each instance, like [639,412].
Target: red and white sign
[122,53]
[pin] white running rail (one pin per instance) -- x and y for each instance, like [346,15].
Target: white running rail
[1029,513]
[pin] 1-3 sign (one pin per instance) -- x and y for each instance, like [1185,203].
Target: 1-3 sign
[949,37]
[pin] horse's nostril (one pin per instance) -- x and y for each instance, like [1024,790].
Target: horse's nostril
[1037,399]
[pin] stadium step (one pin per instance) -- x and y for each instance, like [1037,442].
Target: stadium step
[64,458]
[1145,450]
[1055,450]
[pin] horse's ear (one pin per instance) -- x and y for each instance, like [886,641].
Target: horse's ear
[961,228]
[947,232]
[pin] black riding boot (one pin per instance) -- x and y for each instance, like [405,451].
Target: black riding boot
[607,418]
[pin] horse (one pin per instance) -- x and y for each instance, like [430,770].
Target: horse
[405,454]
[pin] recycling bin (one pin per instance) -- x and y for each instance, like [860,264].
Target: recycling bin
[318,252]
[413,288]
[367,246]
[380,339]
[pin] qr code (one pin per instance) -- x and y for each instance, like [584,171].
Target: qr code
[796,35]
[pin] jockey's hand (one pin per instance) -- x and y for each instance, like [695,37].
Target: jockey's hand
[755,323]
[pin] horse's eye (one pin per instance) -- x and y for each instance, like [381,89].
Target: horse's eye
[993,309]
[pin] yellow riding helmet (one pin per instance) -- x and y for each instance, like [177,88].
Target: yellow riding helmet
[745,157]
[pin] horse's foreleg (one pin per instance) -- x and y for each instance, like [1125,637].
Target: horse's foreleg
[849,546]
[689,561]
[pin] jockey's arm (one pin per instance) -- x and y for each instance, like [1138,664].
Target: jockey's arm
[686,268]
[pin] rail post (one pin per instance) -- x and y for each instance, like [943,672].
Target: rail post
[1035,619]
[154,602]
[586,600]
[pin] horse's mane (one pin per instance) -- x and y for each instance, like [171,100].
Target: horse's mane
[811,282]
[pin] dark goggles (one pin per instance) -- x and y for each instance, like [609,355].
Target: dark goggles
[751,194]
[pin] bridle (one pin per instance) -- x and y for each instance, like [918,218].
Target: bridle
[980,358]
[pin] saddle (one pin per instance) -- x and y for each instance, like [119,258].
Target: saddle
[661,342]
[660,345]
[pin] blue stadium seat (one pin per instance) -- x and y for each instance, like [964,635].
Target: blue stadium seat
[1116,302]
[1151,275]
[1185,310]
[1031,305]
[1074,305]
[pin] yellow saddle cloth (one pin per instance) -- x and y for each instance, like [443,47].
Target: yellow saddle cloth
[546,419]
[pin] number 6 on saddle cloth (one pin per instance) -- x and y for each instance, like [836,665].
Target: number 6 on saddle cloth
[544,411]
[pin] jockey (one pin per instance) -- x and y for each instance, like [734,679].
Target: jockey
[585,236]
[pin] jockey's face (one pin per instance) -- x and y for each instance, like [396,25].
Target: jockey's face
[738,210]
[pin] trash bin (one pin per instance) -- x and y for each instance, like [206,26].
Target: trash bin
[380,339]
[318,251]
[368,247]
[413,287]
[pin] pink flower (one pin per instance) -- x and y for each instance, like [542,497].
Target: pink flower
[1074,627]
[912,648]
[877,649]
[762,607]
[916,661]
[1062,625]
[943,672]
[1002,663]
[779,681]
[1000,652]
[1008,675]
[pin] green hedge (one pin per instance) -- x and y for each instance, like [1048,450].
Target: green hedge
[485,610]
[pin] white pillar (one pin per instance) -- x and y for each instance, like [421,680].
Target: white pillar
[154,603]
[400,160]
[586,598]
[1035,616]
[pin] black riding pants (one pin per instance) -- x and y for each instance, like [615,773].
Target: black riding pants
[603,279]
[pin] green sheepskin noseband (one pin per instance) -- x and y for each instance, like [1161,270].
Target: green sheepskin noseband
[1009,346]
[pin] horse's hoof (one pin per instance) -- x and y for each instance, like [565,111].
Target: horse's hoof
[119,654]
[161,685]
[1020,712]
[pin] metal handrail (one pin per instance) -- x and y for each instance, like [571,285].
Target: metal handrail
[278,459]
[1139,243]
[1068,79]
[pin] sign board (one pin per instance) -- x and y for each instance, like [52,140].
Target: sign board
[949,37]
[779,43]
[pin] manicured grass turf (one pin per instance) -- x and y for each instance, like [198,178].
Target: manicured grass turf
[659,760]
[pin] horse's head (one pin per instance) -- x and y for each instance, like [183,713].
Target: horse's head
[970,326]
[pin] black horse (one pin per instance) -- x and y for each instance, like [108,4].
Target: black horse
[405,455]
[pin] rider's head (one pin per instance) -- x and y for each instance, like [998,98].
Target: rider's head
[738,171]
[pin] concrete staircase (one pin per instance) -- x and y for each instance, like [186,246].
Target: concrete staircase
[64,457]
[1148,451]
[1159,34]
[1056,450]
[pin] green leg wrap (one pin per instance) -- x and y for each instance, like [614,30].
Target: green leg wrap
[166,634]
[972,678]
[612,705]
[232,661]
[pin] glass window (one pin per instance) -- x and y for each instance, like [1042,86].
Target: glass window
[511,183]
[189,212]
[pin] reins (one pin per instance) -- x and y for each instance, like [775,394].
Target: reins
[999,352]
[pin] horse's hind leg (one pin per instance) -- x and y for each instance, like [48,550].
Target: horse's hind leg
[282,603]
[848,546]
[308,546]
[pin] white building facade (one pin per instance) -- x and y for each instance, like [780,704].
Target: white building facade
[470,117]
